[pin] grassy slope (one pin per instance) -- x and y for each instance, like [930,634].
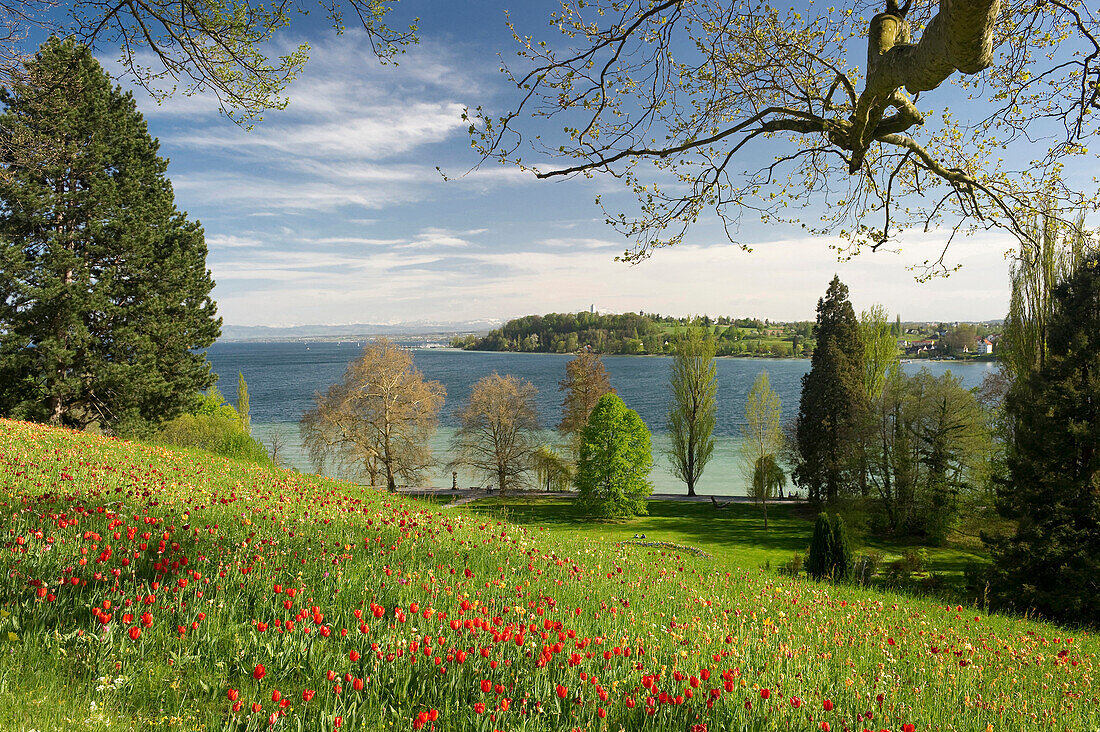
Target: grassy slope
[83,524]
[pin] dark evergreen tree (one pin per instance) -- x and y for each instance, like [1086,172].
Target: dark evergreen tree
[1052,563]
[104,292]
[833,400]
[819,563]
[843,560]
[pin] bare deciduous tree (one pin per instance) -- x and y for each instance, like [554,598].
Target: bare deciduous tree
[378,419]
[669,95]
[497,433]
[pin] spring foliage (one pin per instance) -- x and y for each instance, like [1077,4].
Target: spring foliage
[615,460]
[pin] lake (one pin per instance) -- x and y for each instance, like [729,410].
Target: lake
[283,378]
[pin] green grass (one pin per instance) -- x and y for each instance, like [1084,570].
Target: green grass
[533,624]
[735,535]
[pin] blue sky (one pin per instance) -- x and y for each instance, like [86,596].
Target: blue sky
[332,210]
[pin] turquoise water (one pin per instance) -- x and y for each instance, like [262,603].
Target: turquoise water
[283,378]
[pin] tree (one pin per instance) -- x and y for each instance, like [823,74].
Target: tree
[768,479]
[615,460]
[243,407]
[226,48]
[837,101]
[552,469]
[761,442]
[929,438]
[377,420]
[880,349]
[585,382]
[498,430]
[693,412]
[105,302]
[1052,562]
[1052,253]
[819,561]
[843,562]
[833,400]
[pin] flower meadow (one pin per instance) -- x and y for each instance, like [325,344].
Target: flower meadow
[149,588]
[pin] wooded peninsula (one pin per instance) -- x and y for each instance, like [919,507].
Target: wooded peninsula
[644,334]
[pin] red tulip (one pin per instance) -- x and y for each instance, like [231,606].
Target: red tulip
[259,672]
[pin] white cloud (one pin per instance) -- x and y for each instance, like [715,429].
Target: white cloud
[780,280]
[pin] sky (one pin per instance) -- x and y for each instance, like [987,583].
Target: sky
[333,211]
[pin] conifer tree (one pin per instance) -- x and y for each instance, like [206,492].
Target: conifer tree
[833,400]
[104,293]
[819,563]
[843,561]
[1052,563]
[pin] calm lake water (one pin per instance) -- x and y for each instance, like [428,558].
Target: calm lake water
[283,378]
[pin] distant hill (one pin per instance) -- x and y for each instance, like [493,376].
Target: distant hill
[352,330]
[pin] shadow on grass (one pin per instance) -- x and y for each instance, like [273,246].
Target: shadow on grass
[737,527]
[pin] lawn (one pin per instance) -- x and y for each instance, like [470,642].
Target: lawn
[147,588]
[735,535]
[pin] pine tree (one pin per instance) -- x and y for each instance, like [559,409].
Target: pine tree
[104,292]
[1052,563]
[833,401]
[819,563]
[843,561]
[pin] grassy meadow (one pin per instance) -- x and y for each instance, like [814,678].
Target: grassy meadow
[149,588]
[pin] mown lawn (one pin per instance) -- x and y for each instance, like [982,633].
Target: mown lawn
[735,535]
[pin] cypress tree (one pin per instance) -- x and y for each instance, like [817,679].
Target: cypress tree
[833,400]
[1052,563]
[104,293]
[819,563]
[843,560]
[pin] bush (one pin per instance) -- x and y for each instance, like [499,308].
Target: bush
[866,566]
[613,470]
[214,433]
[842,563]
[793,568]
[819,563]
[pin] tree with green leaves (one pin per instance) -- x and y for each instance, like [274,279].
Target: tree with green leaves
[243,406]
[843,561]
[231,50]
[674,100]
[1052,562]
[552,469]
[613,470]
[693,412]
[1051,254]
[833,401]
[585,382]
[819,560]
[768,480]
[762,442]
[105,304]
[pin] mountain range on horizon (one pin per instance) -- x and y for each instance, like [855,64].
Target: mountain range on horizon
[355,330]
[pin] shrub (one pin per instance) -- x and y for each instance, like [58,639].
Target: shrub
[214,433]
[819,563]
[842,562]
